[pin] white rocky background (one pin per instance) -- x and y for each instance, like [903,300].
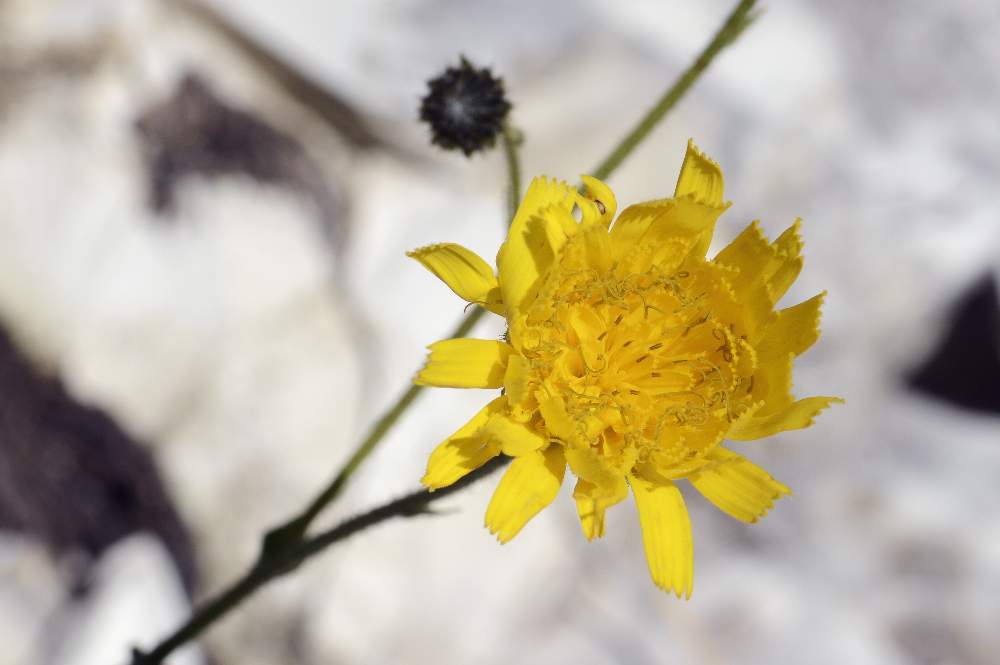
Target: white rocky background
[250,353]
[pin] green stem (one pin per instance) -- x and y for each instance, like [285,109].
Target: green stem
[737,21]
[511,140]
[292,531]
[282,563]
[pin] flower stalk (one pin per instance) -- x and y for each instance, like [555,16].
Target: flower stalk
[281,563]
[292,532]
[738,20]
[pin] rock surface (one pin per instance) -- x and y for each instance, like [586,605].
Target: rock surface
[251,353]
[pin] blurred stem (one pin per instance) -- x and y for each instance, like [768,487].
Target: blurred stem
[512,139]
[285,547]
[294,530]
[282,563]
[737,21]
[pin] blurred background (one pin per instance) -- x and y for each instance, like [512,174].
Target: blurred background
[204,301]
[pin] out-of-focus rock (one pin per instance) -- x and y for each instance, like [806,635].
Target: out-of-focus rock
[71,478]
[31,590]
[964,369]
[227,339]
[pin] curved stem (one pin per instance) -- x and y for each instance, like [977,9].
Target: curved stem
[410,505]
[737,21]
[293,530]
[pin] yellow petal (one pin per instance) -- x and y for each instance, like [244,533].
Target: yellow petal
[593,467]
[751,253]
[796,415]
[463,451]
[516,379]
[633,224]
[757,308]
[749,309]
[779,283]
[737,486]
[541,194]
[756,260]
[536,233]
[688,219]
[700,178]
[775,264]
[789,243]
[524,261]
[789,248]
[530,484]
[597,242]
[469,276]
[557,421]
[515,439]
[657,222]
[599,205]
[666,535]
[793,330]
[771,384]
[465,363]
[588,326]
[592,502]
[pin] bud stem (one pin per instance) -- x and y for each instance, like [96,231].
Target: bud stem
[512,139]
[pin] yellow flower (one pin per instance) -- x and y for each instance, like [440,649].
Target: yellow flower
[629,356]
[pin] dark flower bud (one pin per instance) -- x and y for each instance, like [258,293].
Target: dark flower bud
[465,108]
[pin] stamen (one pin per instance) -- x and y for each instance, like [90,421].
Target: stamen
[655,375]
[626,344]
[641,358]
[619,319]
[633,391]
[694,325]
[600,206]
[602,335]
[656,346]
[594,370]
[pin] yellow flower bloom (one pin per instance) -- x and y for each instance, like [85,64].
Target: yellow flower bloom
[629,356]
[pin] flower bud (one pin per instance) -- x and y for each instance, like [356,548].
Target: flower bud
[465,108]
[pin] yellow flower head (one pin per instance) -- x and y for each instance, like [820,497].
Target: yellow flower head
[629,356]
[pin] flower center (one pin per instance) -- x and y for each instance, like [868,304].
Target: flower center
[644,364]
